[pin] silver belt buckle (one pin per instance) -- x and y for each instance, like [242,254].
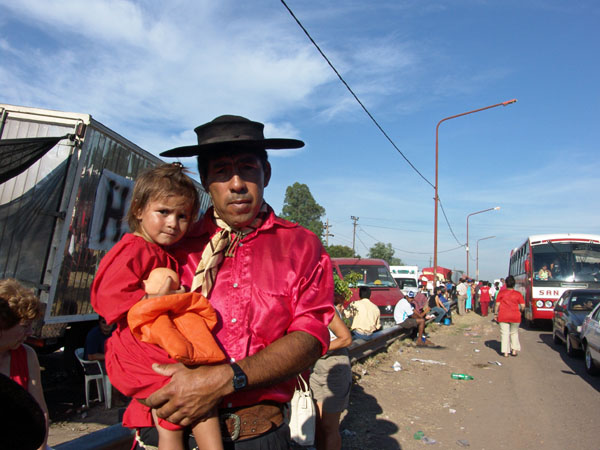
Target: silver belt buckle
[236,426]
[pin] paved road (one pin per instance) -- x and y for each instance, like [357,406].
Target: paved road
[541,399]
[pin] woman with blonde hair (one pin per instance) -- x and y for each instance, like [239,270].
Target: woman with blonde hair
[19,307]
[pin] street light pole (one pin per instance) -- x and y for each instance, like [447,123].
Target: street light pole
[436,198]
[482,239]
[472,214]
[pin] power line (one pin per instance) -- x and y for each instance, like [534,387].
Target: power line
[355,96]
[367,111]
[447,222]
[408,251]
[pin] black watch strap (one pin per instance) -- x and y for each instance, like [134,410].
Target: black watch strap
[240,380]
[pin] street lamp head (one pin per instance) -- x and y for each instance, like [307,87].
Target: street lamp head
[496,208]
[509,102]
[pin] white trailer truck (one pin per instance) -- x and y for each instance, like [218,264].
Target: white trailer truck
[407,278]
[62,203]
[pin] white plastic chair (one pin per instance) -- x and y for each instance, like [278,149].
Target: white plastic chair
[93,372]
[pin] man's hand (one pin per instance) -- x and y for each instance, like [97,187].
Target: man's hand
[192,393]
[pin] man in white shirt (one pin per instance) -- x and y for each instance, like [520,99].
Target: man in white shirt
[408,318]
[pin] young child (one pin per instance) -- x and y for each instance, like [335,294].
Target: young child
[163,205]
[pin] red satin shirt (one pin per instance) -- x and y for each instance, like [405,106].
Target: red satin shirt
[279,281]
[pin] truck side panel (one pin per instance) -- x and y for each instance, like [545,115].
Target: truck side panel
[46,212]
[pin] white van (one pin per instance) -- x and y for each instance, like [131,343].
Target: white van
[407,278]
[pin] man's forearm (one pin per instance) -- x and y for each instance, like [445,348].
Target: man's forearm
[193,392]
[96,357]
[282,359]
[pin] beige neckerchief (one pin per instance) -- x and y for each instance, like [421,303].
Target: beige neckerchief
[223,244]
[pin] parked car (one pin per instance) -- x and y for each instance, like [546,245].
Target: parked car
[569,313]
[375,274]
[590,339]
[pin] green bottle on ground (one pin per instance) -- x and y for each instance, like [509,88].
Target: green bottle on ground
[461,376]
[418,435]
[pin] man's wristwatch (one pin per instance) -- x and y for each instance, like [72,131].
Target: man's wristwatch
[240,380]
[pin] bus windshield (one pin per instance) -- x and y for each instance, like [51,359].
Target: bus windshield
[373,275]
[572,262]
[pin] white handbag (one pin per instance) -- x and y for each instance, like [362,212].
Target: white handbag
[302,415]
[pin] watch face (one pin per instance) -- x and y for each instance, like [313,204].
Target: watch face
[239,381]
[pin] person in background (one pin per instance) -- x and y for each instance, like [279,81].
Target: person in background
[484,298]
[439,305]
[95,340]
[508,308]
[420,298]
[410,319]
[494,291]
[449,289]
[461,291]
[331,377]
[19,307]
[365,315]
[477,293]
[544,274]
[469,301]
[419,302]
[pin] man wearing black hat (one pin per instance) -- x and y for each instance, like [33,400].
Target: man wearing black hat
[270,282]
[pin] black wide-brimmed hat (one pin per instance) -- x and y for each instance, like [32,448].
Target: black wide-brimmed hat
[233,132]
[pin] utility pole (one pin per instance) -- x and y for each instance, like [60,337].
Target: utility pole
[327,234]
[355,219]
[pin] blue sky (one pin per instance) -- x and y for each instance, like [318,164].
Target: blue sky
[154,70]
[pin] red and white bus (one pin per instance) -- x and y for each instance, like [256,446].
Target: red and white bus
[546,265]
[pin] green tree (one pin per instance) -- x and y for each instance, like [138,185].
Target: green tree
[385,252]
[339,251]
[300,207]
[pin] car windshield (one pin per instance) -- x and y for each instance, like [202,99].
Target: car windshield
[584,302]
[372,276]
[577,261]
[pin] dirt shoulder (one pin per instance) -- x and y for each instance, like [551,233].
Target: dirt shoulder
[388,407]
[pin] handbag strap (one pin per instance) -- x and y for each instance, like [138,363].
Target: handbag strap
[302,382]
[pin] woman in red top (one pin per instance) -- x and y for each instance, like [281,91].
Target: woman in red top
[484,298]
[19,307]
[509,305]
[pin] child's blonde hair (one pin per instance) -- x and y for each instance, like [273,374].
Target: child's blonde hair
[162,181]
